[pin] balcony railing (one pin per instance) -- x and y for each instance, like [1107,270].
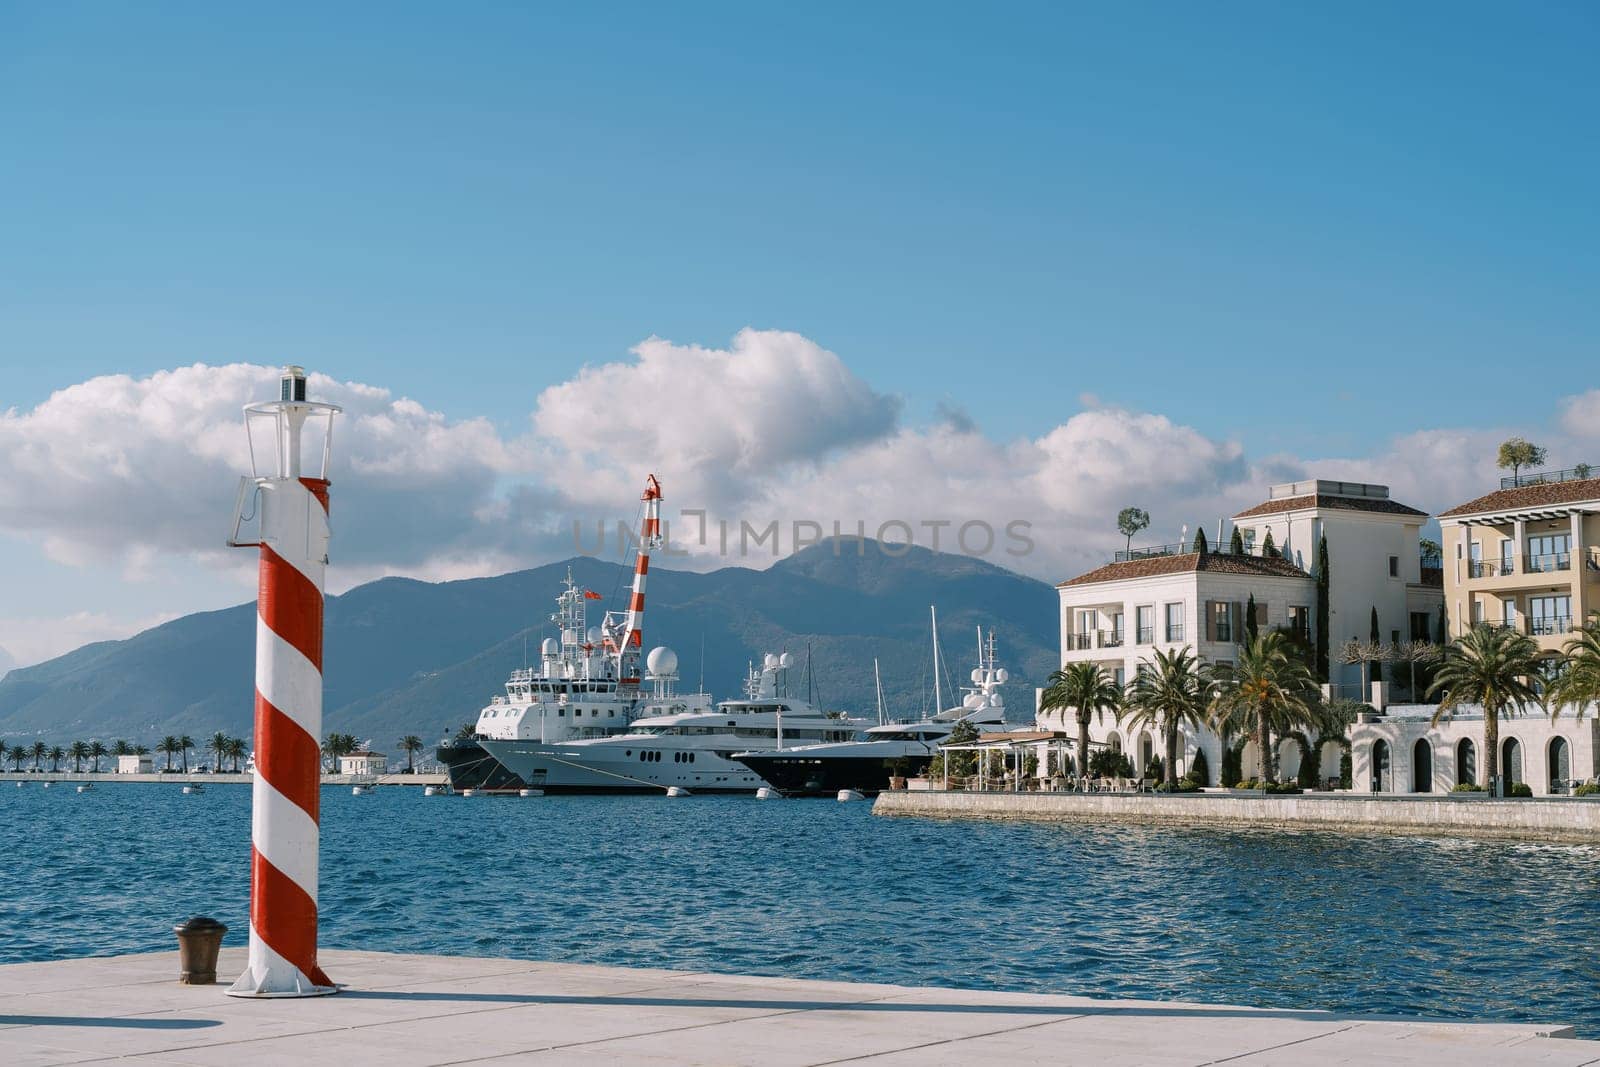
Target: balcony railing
[1572,474]
[1079,642]
[1550,561]
[1482,568]
[1110,638]
[1151,552]
[1550,625]
[1175,631]
[1147,635]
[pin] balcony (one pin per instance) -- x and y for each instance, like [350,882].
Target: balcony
[1550,625]
[1110,638]
[1552,561]
[1079,642]
[1482,568]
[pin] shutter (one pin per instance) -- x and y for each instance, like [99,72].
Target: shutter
[1261,614]
[1211,620]
[1235,614]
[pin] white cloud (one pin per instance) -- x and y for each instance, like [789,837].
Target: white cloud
[771,428]
[31,640]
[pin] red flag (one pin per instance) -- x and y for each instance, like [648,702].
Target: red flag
[590,594]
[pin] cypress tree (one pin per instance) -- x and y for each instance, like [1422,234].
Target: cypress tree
[1236,546]
[1267,547]
[1250,626]
[1322,608]
[1441,634]
[1377,642]
[1200,545]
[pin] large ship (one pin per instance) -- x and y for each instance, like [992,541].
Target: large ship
[890,749]
[586,685]
[689,749]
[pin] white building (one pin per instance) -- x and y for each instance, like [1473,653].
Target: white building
[135,765]
[1170,597]
[364,763]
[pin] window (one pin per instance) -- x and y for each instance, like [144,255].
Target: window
[1549,615]
[1221,620]
[1506,566]
[1145,615]
[1249,540]
[1300,621]
[1394,566]
[1508,614]
[1420,623]
[1550,552]
[1175,622]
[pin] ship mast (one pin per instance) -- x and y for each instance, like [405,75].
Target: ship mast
[938,693]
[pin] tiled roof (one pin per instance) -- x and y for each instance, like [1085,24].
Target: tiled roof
[1314,500]
[1529,496]
[1217,562]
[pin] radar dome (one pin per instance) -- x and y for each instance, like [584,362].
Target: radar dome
[770,661]
[972,700]
[550,647]
[661,661]
[594,635]
[977,676]
[1002,676]
[786,660]
[996,700]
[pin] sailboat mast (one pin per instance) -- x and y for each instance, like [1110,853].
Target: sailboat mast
[938,693]
[877,681]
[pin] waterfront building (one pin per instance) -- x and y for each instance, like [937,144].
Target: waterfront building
[135,765]
[1525,556]
[364,763]
[1171,596]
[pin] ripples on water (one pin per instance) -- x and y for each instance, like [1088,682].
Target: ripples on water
[818,889]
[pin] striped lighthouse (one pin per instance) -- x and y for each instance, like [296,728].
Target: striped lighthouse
[632,638]
[292,510]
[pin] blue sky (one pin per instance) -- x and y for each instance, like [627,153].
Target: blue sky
[1307,230]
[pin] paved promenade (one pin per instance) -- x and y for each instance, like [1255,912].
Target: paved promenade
[1568,819]
[412,1010]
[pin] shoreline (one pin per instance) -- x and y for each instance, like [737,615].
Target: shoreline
[193,778]
[1565,820]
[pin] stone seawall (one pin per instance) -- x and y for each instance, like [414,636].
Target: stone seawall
[1552,819]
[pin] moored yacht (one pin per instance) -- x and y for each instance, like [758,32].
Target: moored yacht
[889,749]
[673,745]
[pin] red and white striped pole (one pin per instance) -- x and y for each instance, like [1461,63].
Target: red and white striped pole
[284,835]
[633,626]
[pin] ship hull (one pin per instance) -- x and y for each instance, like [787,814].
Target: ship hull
[616,768]
[470,766]
[798,775]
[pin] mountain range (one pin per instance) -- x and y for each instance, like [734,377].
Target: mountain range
[405,656]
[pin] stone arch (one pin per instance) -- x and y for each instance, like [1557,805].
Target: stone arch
[1559,761]
[1466,762]
[1382,772]
[1511,770]
[1422,766]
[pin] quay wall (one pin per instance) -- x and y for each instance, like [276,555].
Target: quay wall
[1548,819]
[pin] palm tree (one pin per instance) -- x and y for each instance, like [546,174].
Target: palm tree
[411,744]
[1086,689]
[236,751]
[18,754]
[1268,690]
[57,754]
[218,747]
[185,743]
[1579,685]
[1168,694]
[119,747]
[168,746]
[39,751]
[1492,666]
[79,751]
[5,751]
[97,752]
[337,745]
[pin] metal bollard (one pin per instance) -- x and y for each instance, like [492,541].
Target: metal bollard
[199,942]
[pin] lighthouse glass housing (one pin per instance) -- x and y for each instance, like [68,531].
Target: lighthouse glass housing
[292,388]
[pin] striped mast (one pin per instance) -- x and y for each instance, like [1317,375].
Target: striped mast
[284,831]
[632,637]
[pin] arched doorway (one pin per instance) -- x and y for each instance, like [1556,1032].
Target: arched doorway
[1511,761]
[1288,759]
[1466,762]
[1381,776]
[1560,765]
[1422,767]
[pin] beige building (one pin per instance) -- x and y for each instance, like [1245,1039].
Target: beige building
[135,765]
[1525,556]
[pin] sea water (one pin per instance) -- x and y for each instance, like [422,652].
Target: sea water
[818,889]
